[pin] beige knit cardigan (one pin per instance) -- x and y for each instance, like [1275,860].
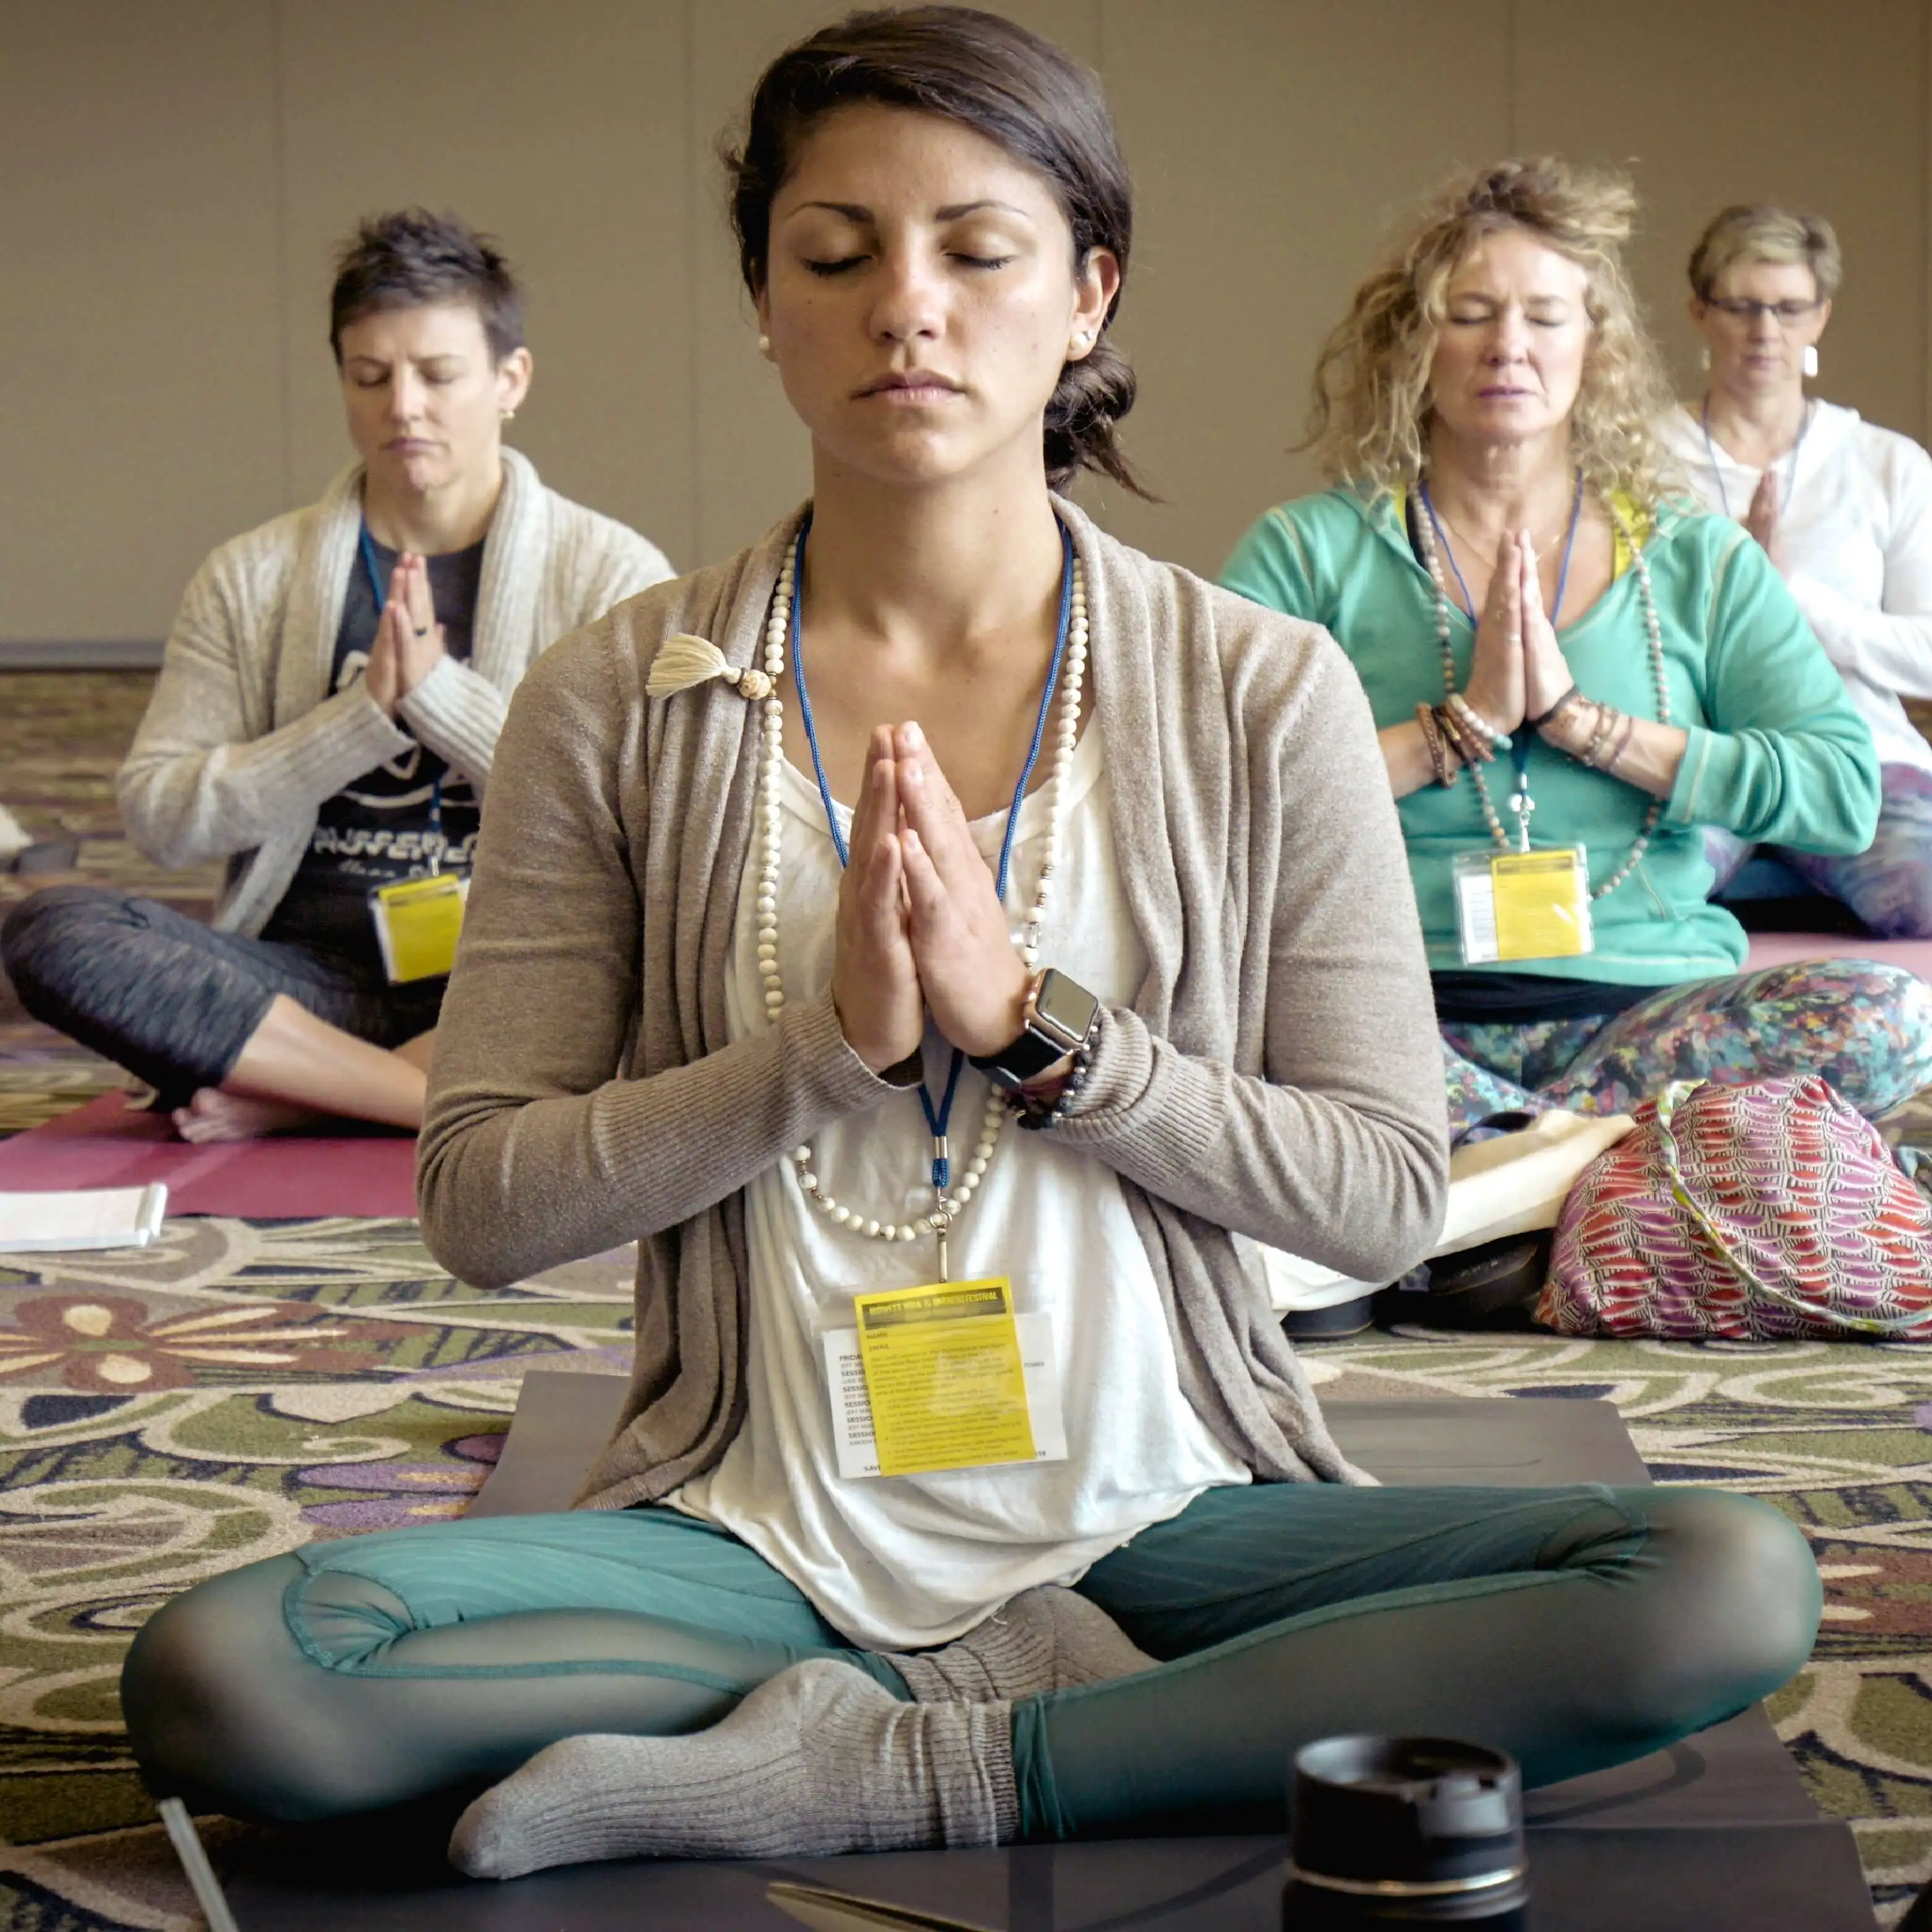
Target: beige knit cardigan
[243,741]
[1277,1073]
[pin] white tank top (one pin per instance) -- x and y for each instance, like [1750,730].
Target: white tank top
[902,1562]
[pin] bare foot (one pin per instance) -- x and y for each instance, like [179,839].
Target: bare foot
[213,1115]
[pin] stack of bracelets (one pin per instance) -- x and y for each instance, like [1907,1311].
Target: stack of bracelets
[1456,734]
[1035,1112]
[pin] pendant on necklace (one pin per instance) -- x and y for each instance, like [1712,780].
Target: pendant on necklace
[1522,805]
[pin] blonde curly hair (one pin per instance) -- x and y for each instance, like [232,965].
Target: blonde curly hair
[1371,414]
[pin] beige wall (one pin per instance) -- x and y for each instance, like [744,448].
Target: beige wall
[177,171]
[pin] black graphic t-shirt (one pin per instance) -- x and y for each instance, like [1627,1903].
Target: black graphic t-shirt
[381,828]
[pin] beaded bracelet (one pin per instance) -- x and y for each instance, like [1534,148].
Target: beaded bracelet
[1466,713]
[1033,1116]
[1440,755]
[1470,748]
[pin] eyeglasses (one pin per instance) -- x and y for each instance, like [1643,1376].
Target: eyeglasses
[1741,308]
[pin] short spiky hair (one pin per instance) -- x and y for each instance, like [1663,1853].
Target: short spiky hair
[1761,233]
[412,257]
[1371,410]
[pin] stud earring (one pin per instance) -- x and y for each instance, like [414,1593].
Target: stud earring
[1704,358]
[765,346]
[509,415]
[1808,362]
[1082,343]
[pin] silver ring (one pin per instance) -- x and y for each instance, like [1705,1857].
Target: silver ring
[1515,637]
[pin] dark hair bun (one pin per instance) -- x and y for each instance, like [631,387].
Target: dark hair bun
[1090,398]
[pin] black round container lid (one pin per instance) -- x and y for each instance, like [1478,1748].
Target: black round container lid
[1412,1810]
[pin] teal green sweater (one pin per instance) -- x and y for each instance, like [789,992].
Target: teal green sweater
[1777,753]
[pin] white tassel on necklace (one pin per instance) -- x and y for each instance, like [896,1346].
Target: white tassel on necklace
[684,661]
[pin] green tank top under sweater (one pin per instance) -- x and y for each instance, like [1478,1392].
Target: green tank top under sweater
[1776,754]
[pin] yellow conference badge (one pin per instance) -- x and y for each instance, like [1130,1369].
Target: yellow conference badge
[1523,905]
[943,1377]
[417,923]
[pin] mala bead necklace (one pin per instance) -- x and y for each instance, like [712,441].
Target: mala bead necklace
[1520,802]
[950,1197]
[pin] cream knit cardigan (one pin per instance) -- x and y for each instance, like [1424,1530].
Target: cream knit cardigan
[1278,1072]
[242,741]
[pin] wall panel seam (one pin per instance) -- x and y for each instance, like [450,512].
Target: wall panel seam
[279,174]
[1510,24]
[698,476]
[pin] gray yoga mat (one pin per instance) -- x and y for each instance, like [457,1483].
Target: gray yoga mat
[562,1421]
[1718,1831]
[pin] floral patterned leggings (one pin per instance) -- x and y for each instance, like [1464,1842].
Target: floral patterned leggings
[1864,1028]
[1889,884]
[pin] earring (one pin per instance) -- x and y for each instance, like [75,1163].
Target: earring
[1704,358]
[509,415]
[1082,343]
[765,346]
[1808,362]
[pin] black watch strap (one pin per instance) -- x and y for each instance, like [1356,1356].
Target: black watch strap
[1059,1020]
[1024,1059]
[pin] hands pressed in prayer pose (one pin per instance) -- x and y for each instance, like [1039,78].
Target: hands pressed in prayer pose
[409,643]
[1762,518]
[920,924]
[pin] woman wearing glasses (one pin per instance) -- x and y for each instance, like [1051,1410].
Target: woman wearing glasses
[1843,509]
[1574,674]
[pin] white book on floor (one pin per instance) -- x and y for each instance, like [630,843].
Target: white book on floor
[81,1217]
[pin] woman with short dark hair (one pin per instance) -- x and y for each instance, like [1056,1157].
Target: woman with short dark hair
[326,720]
[745,940]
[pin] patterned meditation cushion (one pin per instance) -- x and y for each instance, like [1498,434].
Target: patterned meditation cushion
[1760,1212]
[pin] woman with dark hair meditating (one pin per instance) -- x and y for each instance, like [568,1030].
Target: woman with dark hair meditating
[938,935]
[1574,675]
[326,722]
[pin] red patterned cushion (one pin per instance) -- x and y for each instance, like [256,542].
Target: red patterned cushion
[1764,1212]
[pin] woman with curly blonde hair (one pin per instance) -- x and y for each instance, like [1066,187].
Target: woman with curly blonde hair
[1573,674]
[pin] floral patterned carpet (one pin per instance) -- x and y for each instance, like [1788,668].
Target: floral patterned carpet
[62,737]
[166,1414]
[241,1388]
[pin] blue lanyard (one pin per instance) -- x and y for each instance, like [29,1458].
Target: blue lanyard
[936,1118]
[377,582]
[382,590]
[1519,750]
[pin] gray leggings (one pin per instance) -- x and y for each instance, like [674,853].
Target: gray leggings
[173,1000]
[1576,1628]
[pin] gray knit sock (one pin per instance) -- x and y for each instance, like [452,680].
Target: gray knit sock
[816,1760]
[1045,1638]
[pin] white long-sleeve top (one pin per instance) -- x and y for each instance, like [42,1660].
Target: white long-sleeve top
[1856,523]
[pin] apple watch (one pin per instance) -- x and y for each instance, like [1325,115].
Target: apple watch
[1059,1017]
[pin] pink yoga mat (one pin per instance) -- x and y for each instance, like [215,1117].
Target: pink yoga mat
[1787,949]
[284,1178]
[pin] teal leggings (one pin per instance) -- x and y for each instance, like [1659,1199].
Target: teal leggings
[1576,1628]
